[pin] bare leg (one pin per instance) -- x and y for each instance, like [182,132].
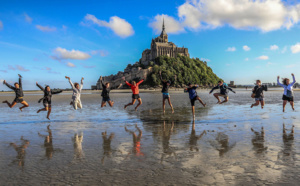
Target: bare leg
[217,96]
[225,100]
[102,104]
[140,102]
[292,105]
[111,103]
[43,109]
[164,105]
[283,104]
[25,104]
[169,100]
[262,103]
[255,104]
[133,101]
[10,105]
[204,104]
[193,109]
[48,114]
[71,103]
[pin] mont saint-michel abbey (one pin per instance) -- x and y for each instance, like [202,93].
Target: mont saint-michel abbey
[160,46]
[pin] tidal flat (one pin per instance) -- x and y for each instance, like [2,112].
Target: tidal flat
[229,144]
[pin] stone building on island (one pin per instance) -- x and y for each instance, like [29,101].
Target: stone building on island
[160,46]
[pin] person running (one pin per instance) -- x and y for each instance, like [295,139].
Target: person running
[165,92]
[19,94]
[193,96]
[258,92]
[47,98]
[76,102]
[288,94]
[135,93]
[223,92]
[105,93]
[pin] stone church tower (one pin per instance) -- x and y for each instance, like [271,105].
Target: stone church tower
[160,46]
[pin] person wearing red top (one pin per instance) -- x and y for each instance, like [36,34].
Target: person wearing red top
[135,93]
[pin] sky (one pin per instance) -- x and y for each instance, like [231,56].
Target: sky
[241,40]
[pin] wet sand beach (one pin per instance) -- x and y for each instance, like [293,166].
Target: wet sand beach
[228,144]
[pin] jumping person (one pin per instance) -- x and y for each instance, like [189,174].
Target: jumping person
[223,92]
[19,94]
[165,92]
[105,93]
[193,96]
[258,92]
[76,102]
[288,95]
[47,98]
[135,93]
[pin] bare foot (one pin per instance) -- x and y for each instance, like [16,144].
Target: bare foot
[262,107]
[4,101]
[251,106]
[135,109]
[20,109]
[71,103]
[283,110]
[218,102]
[293,108]
[38,111]
[172,111]
[48,118]
[125,107]
[204,105]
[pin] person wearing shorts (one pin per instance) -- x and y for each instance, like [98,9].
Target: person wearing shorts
[223,92]
[47,98]
[193,96]
[288,94]
[105,93]
[165,92]
[19,94]
[135,90]
[76,101]
[258,92]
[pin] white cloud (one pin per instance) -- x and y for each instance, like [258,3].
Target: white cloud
[45,28]
[171,25]
[274,47]
[246,48]
[204,59]
[118,25]
[263,57]
[18,67]
[1,25]
[231,49]
[295,48]
[69,64]
[264,15]
[247,59]
[27,18]
[62,53]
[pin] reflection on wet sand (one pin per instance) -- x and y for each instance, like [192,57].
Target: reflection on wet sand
[20,158]
[106,145]
[166,135]
[78,152]
[288,142]
[136,149]
[194,138]
[224,145]
[258,141]
[48,145]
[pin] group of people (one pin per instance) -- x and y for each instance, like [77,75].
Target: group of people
[257,94]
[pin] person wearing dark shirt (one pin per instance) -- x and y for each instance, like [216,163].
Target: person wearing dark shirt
[193,96]
[105,93]
[258,92]
[19,94]
[47,98]
[165,92]
[223,92]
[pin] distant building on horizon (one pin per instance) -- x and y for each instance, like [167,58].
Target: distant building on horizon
[160,46]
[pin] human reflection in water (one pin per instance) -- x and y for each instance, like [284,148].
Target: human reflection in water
[194,138]
[78,152]
[288,141]
[166,135]
[258,141]
[106,145]
[48,145]
[136,150]
[20,158]
[223,141]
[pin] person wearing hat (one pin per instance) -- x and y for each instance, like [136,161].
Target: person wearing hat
[19,94]
[223,92]
[193,96]
[165,92]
